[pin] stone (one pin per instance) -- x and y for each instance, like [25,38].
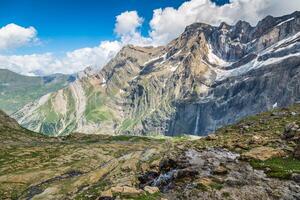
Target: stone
[263,153]
[145,167]
[220,170]
[126,190]
[256,139]
[151,190]
[106,193]
[293,113]
[117,189]
[240,145]
[211,137]
[278,114]
[155,164]
[204,182]
[290,131]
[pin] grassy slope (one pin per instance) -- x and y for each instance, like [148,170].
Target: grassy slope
[82,166]
[17,90]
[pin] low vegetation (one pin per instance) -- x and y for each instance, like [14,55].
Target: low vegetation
[80,166]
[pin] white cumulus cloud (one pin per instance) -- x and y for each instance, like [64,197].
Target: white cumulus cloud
[169,22]
[13,36]
[74,61]
[127,22]
[127,27]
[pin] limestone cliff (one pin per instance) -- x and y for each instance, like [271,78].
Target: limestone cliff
[206,78]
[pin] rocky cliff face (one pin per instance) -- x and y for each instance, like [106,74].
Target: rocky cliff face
[206,78]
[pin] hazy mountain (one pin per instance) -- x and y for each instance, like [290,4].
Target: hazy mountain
[206,78]
[17,90]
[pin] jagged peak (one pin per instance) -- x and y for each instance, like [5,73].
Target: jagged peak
[224,25]
[196,27]
[271,20]
[242,23]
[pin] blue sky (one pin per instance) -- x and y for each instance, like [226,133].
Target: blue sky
[39,37]
[64,25]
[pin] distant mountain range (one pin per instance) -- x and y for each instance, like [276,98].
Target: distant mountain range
[17,90]
[206,78]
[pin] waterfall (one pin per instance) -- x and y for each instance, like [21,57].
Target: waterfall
[164,179]
[197,122]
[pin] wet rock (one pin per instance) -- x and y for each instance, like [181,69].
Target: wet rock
[185,173]
[165,181]
[208,173]
[189,166]
[167,165]
[147,178]
[263,153]
[151,190]
[34,190]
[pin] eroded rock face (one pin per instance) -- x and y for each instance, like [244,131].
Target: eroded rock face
[204,79]
[237,97]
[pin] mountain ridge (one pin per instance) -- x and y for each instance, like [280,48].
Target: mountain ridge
[18,90]
[208,77]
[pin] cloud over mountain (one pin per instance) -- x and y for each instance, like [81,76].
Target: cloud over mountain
[165,25]
[169,22]
[73,61]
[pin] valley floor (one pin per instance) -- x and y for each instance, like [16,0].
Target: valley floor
[258,158]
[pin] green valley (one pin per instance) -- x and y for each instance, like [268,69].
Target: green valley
[17,90]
